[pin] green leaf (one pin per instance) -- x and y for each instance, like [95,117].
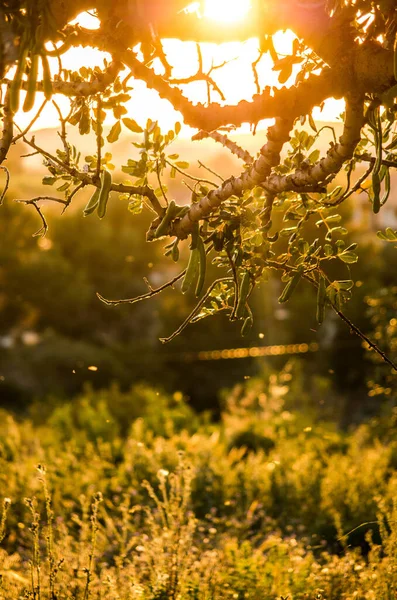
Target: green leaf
[132,125]
[388,236]
[49,180]
[285,74]
[64,187]
[114,133]
[314,156]
[343,285]
[135,206]
[119,111]
[312,125]
[348,257]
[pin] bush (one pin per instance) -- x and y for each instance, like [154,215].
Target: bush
[165,504]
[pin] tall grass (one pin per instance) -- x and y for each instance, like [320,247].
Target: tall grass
[272,502]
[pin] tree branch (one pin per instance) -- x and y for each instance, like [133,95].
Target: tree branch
[330,164]
[278,134]
[8,128]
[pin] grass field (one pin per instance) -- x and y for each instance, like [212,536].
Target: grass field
[131,495]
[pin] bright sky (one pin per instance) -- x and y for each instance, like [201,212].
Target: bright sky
[235,79]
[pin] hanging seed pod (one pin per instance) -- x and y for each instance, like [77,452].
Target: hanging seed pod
[166,220]
[106,183]
[16,83]
[247,325]
[321,299]
[47,82]
[202,266]
[290,287]
[191,271]
[32,82]
[243,293]
[92,203]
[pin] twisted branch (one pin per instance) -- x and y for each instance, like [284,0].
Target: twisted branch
[283,103]
[328,166]
[234,148]
[278,134]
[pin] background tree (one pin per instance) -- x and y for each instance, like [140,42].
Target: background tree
[251,224]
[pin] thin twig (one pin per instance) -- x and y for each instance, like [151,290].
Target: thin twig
[69,197]
[344,318]
[98,131]
[88,180]
[198,179]
[195,310]
[152,292]
[201,164]
[235,280]
[63,134]
[44,228]
[366,339]
[39,198]
[234,148]
[160,182]
[255,71]
[372,159]
[349,193]
[3,193]
[32,122]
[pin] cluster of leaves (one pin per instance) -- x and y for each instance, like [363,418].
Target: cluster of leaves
[239,235]
[246,233]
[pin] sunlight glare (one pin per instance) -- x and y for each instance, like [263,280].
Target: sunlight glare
[236,58]
[226,11]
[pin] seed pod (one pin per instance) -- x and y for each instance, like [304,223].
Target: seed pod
[166,220]
[218,241]
[376,181]
[191,271]
[17,82]
[194,236]
[38,34]
[175,252]
[395,58]
[202,266]
[64,48]
[290,287]
[247,325]
[92,203]
[47,82]
[387,187]
[321,299]
[243,293]
[32,82]
[182,211]
[106,183]
[376,192]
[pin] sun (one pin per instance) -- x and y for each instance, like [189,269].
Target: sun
[226,11]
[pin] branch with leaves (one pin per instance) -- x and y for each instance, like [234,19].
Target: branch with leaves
[254,222]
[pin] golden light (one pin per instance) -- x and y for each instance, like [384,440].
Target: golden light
[226,11]
[234,78]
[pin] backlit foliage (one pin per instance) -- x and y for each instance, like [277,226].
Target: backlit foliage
[254,222]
